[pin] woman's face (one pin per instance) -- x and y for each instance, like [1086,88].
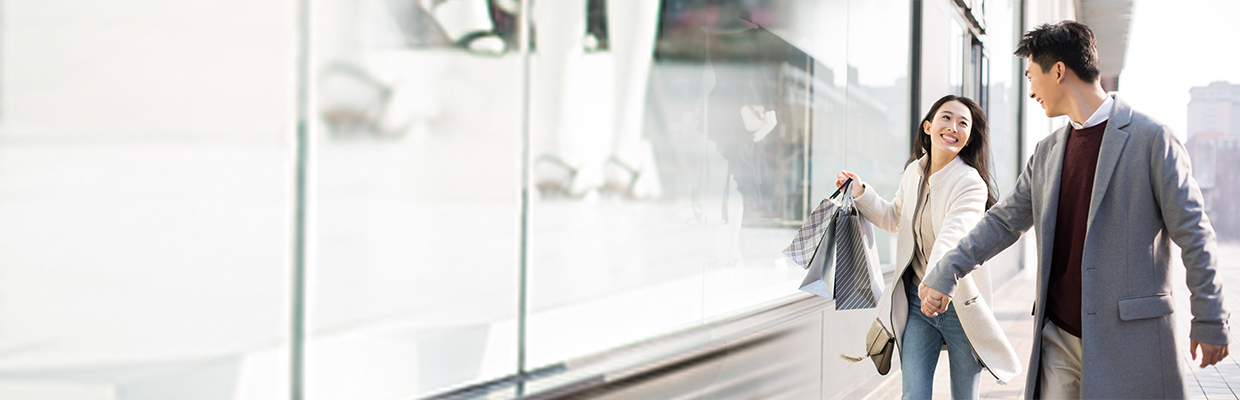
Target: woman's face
[949,129]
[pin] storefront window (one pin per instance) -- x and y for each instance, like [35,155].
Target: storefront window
[673,169]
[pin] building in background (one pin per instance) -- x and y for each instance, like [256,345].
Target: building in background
[1214,145]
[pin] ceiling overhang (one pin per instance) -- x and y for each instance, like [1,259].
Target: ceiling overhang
[1111,21]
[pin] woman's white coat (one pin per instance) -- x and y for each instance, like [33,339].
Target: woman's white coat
[957,202]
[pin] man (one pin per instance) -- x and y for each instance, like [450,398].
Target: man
[1107,195]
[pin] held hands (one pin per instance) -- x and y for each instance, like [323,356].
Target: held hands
[933,302]
[1210,353]
[858,190]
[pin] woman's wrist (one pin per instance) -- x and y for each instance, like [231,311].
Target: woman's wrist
[859,193]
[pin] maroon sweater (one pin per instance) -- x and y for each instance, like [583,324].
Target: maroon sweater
[1080,160]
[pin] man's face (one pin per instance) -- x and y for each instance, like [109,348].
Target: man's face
[1045,87]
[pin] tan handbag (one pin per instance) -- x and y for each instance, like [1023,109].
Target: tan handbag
[879,346]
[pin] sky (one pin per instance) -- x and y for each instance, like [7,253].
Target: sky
[1174,46]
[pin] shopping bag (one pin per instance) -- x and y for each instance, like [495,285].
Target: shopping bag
[858,278]
[820,276]
[813,245]
[810,236]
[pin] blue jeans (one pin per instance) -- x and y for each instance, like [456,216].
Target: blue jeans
[923,341]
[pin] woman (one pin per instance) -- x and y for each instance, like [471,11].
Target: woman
[930,215]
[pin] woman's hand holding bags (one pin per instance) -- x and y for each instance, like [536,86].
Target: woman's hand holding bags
[852,277]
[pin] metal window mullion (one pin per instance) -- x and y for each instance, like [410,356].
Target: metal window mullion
[524,37]
[297,323]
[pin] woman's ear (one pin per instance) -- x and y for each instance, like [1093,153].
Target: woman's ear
[925,127]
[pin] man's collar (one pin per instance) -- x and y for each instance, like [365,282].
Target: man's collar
[1100,115]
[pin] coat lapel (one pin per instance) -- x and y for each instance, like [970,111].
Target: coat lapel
[1054,171]
[1113,141]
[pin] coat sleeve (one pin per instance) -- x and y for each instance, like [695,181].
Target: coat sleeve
[1183,211]
[966,206]
[880,212]
[998,229]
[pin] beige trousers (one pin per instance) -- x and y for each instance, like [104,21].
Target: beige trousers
[1060,376]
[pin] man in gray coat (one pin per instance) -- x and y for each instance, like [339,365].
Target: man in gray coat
[1107,196]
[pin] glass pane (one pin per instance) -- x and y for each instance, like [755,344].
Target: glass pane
[761,119]
[960,41]
[942,62]
[878,102]
[417,135]
[673,167]
[607,243]
[1006,76]
[144,161]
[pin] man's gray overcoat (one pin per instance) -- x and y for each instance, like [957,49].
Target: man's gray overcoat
[1144,198]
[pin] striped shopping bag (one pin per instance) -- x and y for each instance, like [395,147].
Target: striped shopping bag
[858,278]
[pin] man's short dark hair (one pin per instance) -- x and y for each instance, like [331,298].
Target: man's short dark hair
[1068,41]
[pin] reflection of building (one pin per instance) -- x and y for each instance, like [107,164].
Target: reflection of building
[1214,145]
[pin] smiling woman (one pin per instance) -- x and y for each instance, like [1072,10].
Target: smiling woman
[948,131]
[945,189]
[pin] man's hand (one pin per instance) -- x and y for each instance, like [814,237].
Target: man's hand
[1210,353]
[933,302]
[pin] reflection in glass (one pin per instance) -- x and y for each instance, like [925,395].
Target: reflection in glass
[751,77]
[412,281]
[672,168]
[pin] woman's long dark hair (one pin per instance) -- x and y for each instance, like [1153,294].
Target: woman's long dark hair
[976,152]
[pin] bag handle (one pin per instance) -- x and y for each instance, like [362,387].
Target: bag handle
[841,188]
[847,204]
